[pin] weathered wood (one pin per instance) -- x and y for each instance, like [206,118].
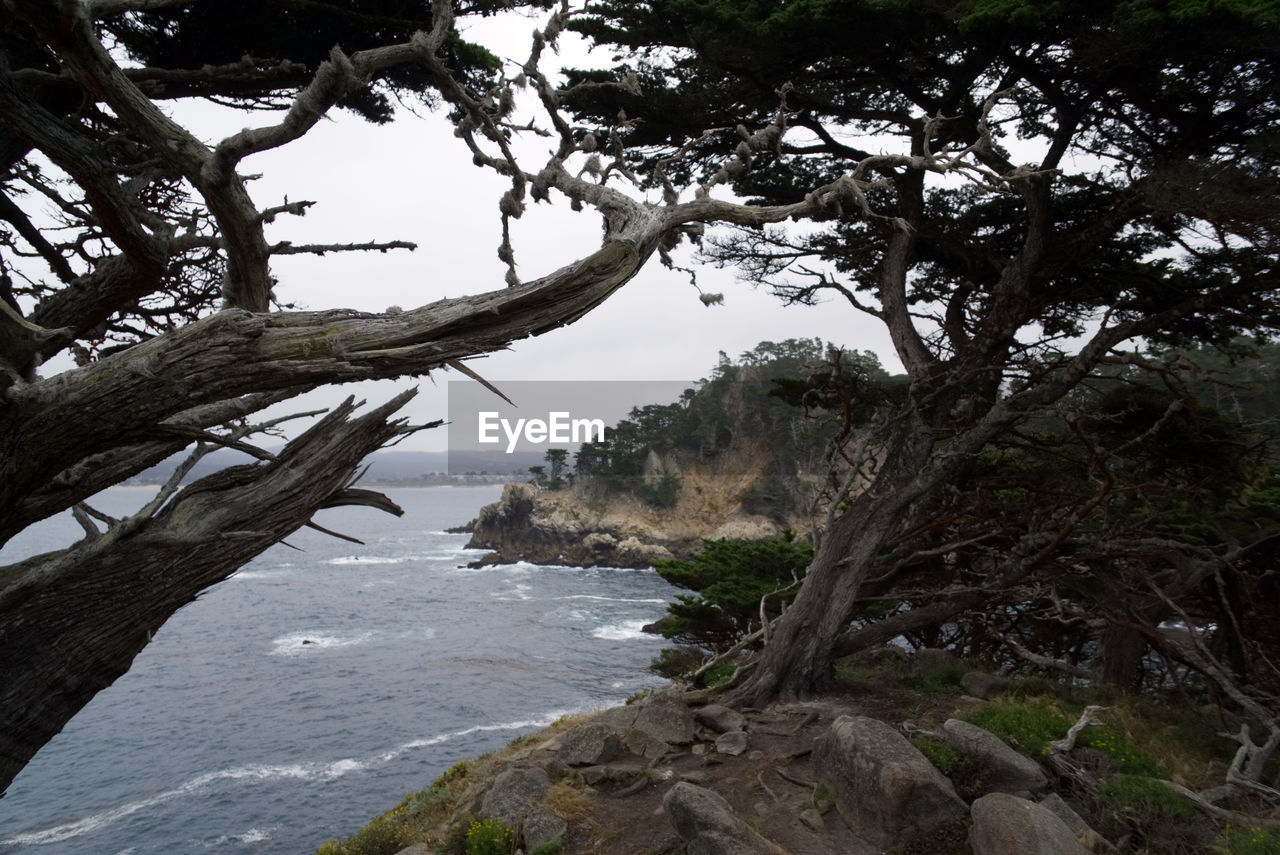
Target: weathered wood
[71,622]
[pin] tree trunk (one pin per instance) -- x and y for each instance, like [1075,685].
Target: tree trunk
[71,622]
[1120,654]
[797,662]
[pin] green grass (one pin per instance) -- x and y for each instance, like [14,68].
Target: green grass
[1032,723]
[718,674]
[1146,798]
[1237,840]
[940,754]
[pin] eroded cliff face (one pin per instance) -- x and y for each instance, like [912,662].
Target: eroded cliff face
[586,526]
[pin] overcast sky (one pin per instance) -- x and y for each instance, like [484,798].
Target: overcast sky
[413,180]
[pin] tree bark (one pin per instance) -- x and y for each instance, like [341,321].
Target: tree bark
[71,622]
[797,662]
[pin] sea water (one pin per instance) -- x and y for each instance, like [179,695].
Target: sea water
[317,686]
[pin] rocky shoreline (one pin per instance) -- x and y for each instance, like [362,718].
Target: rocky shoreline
[586,527]
[678,771]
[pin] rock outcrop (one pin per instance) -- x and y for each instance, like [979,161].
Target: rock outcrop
[589,526]
[885,789]
[666,773]
[1007,825]
[708,825]
[999,767]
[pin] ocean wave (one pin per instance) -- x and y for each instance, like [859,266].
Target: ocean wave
[253,835]
[544,720]
[366,559]
[627,630]
[302,771]
[519,591]
[67,831]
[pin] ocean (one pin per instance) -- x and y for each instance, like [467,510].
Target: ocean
[321,683]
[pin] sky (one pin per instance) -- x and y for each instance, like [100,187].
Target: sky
[413,180]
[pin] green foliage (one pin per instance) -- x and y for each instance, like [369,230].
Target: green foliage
[941,676]
[550,847]
[489,837]
[1123,754]
[388,833]
[1152,800]
[1029,725]
[731,577]
[455,772]
[1033,723]
[1247,840]
[673,662]
[768,397]
[718,674]
[940,754]
[663,493]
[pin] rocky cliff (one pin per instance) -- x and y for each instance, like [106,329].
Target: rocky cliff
[587,526]
[682,772]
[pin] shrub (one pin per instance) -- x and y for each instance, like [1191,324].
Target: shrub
[1150,801]
[489,837]
[937,677]
[940,754]
[1247,840]
[730,577]
[1031,726]
[718,674]
[551,847]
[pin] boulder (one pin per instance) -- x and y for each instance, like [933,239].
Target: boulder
[666,719]
[514,792]
[720,718]
[732,743]
[980,684]
[1007,825]
[1092,840]
[541,826]
[1002,769]
[588,745]
[708,826]
[416,849]
[885,790]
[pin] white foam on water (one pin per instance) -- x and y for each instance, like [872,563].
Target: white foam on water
[543,720]
[627,630]
[88,824]
[299,643]
[257,575]
[253,835]
[519,591]
[302,771]
[613,599]
[365,559]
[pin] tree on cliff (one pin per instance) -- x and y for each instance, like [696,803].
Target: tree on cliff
[1029,193]
[1164,229]
[132,246]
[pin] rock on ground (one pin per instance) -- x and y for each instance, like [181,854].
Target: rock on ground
[589,745]
[513,793]
[885,789]
[1002,769]
[708,826]
[720,718]
[1007,825]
